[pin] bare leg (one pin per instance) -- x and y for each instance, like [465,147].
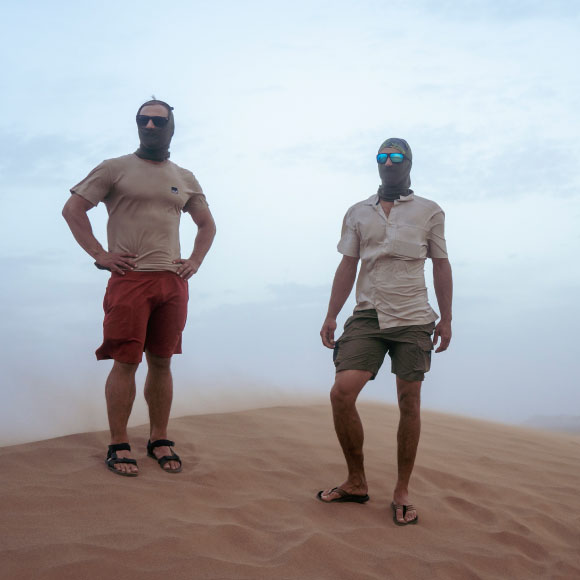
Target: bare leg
[120,394]
[159,396]
[409,396]
[349,430]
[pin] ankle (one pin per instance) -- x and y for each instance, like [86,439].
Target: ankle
[357,481]
[158,436]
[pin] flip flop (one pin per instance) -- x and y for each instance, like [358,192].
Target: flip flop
[344,496]
[405,508]
[112,459]
[163,460]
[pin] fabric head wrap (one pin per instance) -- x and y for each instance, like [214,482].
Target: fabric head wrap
[154,142]
[396,178]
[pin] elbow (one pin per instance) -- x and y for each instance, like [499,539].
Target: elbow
[66,213]
[209,229]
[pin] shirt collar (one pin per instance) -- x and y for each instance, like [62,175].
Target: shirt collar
[374,199]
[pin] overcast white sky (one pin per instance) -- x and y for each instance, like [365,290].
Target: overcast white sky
[279,110]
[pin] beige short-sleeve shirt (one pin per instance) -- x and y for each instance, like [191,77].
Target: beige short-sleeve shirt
[144,201]
[392,251]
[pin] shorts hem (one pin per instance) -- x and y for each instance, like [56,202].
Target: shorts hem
[414,379]
[356,368]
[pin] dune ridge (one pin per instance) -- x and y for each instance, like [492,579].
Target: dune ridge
[494,501]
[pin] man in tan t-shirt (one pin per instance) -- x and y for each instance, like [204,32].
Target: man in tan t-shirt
[146,300]
[391,233]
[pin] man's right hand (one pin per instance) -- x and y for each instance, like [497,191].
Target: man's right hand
[116,262]
[327,332]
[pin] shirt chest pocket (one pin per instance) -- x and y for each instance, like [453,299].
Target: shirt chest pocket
[409,242]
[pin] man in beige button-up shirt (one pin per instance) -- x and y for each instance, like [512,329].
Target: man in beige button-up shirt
[391,233]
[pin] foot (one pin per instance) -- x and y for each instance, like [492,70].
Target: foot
[342,491]
[129,469]
[161,451]
[404,512]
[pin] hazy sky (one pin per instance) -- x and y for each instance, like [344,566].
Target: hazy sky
[280,108]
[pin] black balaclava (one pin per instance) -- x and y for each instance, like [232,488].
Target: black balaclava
[396,178]
[154,143]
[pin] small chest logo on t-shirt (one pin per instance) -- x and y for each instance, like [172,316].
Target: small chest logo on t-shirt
[175,190]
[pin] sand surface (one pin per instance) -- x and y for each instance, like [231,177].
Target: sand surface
[494,502]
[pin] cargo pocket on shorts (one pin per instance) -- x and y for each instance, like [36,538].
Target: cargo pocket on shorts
[423,361]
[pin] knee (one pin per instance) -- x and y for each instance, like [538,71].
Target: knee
[409,403]
[158,362]
[125,368]
[341,396]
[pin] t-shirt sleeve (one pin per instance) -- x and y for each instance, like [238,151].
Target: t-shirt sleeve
[197,198]
[96,185]
[437,247]
[349,244]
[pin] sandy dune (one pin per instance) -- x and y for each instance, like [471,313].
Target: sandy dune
[494,502]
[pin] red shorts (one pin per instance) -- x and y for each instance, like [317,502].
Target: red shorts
[143,311]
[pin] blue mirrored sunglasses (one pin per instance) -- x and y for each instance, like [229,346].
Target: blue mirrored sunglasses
[395,158]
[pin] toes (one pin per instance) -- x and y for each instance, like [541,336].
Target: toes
[329,495]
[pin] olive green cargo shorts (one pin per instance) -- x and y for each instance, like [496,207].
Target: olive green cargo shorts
[363,346]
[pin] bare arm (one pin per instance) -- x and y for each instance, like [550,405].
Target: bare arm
[443,282]
[203,240]
[341,289]
[75,213]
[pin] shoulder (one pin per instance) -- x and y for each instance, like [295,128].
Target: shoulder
[185,174]
[427,204]
[361,208]
[119,162]
[179,169]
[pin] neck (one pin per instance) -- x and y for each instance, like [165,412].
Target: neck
[387,193]
[152,154]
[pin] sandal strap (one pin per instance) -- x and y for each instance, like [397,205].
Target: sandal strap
[160,443]
[163,460]
[119,447]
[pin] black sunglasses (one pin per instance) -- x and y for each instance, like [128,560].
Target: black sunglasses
[142,120]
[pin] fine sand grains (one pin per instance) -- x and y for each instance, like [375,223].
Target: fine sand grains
[494,502]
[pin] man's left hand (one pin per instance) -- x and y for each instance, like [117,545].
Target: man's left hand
[443,332]
[187,269]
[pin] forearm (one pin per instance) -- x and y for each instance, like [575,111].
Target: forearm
[443,282]
[342,285]
[203,241]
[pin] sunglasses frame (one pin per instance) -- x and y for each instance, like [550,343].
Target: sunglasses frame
[158,120]
[389,156]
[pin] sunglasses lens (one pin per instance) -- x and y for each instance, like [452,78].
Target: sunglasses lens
[160,121]
[395,158]
[142,121]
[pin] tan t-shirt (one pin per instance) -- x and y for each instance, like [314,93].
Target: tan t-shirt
[392,252]
[144,200]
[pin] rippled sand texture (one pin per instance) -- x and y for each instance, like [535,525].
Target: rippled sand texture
[494,502]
